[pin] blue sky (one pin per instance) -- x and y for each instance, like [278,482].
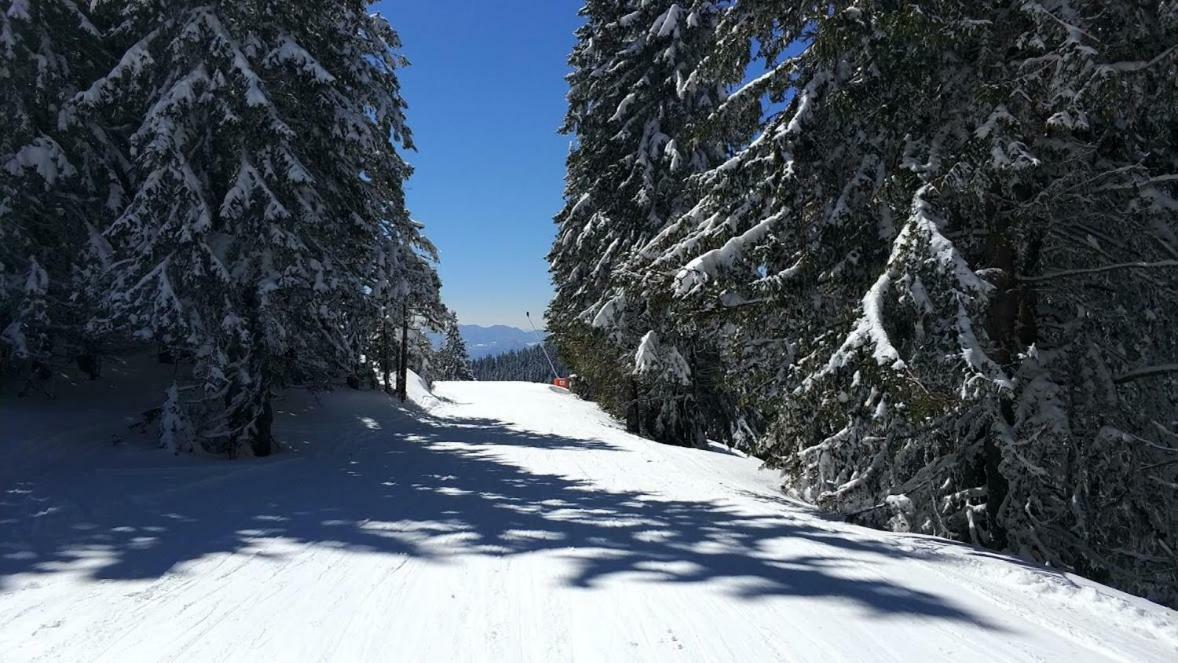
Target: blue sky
[486,96]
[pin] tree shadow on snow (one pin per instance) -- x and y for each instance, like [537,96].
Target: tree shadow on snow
[375,478]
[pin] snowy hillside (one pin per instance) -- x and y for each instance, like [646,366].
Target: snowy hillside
[499,521]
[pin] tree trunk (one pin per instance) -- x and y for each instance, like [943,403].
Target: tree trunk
[90,364]
[256,413]
[262,442]
[1002,323]
[633,415]
[386,359]
[403,368]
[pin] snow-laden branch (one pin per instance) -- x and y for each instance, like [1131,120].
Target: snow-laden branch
[134,62]
[696,273]
[1161,264]
[1139,64]
[805,104]
[923,227]
[1146,372]
[758,84]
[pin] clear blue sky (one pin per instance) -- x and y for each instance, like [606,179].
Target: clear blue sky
[486,95]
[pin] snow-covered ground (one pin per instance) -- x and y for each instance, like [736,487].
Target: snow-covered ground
[503,522]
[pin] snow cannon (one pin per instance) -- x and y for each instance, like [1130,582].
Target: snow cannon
[557,381]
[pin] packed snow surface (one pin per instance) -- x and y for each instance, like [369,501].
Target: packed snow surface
[498,522]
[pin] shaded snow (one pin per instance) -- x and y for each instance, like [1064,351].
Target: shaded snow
[499,521]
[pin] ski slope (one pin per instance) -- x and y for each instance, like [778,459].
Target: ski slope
[496,522]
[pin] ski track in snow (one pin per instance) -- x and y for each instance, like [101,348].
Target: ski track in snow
[497,522]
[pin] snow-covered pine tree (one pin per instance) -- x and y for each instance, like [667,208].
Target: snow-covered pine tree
[451,361]
[264,137]
[406,300]
[631,101]
[1086,304]
[933,286]
[54,179]
[746,354]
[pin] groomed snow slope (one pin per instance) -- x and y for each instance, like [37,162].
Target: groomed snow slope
[507,522]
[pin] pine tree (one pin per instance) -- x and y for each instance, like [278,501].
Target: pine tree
[264,138]
[1093,217]
[451,361]
[406,301]
[54,179]
[924,293]
[631,101]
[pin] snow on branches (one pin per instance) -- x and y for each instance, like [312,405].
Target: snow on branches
[935,271]
[241,190]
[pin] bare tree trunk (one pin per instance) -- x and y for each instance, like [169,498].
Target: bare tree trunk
[403,369]
[634,413]
[1002,324]
[263,438]
[386,360]
[256,413]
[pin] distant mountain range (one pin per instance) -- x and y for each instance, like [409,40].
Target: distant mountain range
[495,340]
